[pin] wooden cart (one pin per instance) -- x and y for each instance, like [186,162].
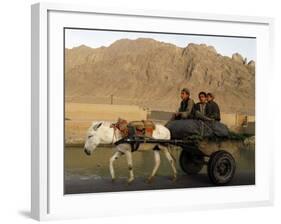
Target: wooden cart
[216,154]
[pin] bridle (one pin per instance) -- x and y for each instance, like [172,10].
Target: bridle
[121,126]
[114,132]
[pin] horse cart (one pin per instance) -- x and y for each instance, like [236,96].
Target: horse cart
[215,152]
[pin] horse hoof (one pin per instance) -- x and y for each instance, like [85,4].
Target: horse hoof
[149,180]
[174,179]
[113,180]
[129,182]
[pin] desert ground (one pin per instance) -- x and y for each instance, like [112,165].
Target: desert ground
[90,174]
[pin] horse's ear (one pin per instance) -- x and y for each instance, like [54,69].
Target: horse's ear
[97,126]
[120,119]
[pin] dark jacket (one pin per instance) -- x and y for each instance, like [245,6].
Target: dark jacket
[199,114]
[186,109]
[197,108]
[213,111]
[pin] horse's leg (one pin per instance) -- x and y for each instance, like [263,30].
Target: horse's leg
[128,154]
[171,161]
[111,161]
[156,166]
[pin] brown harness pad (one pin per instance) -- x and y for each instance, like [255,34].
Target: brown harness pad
[143,128]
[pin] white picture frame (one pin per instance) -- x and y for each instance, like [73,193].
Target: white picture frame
[47,198]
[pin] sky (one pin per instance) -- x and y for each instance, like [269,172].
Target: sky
[224,45]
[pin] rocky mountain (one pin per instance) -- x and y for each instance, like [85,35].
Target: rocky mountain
[150,73]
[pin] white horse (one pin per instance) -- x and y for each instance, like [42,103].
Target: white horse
[103,133]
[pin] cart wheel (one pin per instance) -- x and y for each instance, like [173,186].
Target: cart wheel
[190,163]
[221,167]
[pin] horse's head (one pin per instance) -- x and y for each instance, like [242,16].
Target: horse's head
[93,138]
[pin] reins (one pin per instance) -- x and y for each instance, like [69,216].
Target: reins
[114,133]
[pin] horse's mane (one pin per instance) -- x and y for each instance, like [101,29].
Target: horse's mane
[104,123]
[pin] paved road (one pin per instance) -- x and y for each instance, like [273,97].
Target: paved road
[78,184]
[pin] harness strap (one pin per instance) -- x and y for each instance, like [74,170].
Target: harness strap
[114,134]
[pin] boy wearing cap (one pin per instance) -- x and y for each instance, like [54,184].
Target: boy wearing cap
[185,110]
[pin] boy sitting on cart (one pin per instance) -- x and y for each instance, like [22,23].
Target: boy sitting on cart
[185,110]
[206,109]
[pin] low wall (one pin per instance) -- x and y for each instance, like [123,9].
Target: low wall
[108,112]
[79,117]
[239,122]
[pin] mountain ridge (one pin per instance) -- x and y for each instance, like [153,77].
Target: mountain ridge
[151,74]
